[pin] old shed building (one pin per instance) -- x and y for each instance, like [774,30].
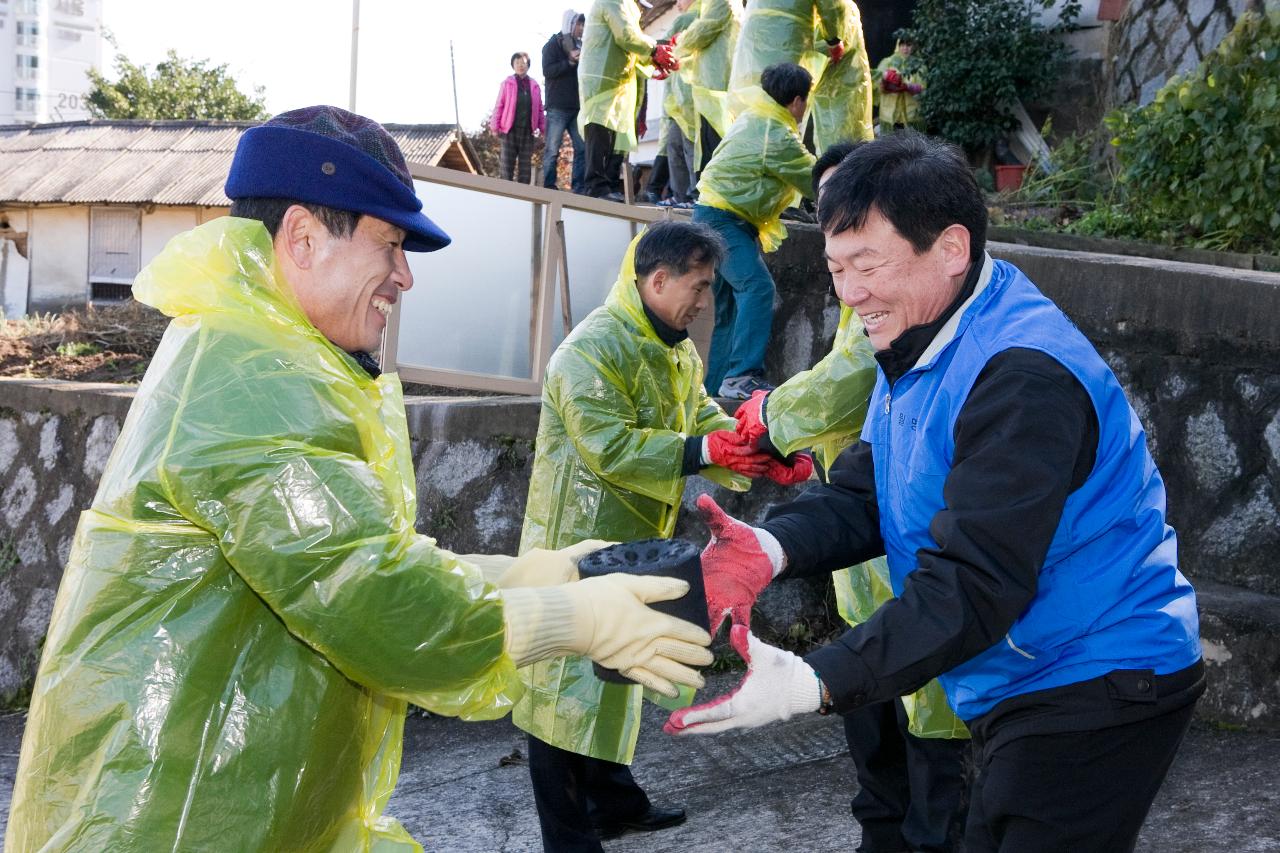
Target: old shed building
[84,205]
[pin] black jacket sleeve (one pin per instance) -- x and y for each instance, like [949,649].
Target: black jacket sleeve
[555,62]
[1025,439]
[833,525]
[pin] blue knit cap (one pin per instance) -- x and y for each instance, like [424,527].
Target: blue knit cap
[328,156]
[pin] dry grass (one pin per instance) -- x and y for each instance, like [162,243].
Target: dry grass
[130,327]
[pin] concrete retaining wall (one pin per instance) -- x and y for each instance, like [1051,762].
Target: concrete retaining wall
[1196,347]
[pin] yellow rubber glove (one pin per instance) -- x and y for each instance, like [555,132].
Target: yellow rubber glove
[605,619]
[535,567]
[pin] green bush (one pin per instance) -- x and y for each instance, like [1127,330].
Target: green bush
[983,56]
[1201,163]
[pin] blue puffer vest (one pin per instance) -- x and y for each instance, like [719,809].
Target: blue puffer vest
[1109,595]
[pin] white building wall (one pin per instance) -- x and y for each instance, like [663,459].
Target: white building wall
[64,38]
[160,226]
[59,253]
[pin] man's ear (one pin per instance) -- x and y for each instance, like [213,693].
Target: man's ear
[953,243]
[296,236]
[659,279]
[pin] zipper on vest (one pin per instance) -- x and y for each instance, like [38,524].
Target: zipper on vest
[888,400]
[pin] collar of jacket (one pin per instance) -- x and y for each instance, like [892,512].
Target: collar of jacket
[669,335]
[919,345]
[759,102]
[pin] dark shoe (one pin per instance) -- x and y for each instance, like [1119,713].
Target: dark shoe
[742,387]
[614,197]
[654,819]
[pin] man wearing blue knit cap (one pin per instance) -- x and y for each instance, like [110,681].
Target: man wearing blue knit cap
[247,608]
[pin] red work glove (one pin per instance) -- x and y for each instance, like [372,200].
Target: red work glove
[735,565]
[784,474]
[750,417]
[837,52]
[727,449]
[663,58]
[674,38]
[662,74]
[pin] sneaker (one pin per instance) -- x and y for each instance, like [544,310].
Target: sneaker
[742,387]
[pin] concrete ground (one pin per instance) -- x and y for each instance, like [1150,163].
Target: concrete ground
[782,788]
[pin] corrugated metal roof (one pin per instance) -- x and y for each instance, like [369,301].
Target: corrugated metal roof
[150,162]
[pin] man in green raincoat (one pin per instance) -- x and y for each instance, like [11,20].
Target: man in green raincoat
[909,752]
[705,52]
[842,97]
[776,31]
[900,79]
[760,169]
[614,51]
[247,607]
[624,422]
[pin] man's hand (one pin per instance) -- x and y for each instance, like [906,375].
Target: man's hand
[735,565]
[727,449]
[796,470]
[661,74]
[536,133]
[914,88]
[778,685]
[750,416]
[574,56]
[836,52]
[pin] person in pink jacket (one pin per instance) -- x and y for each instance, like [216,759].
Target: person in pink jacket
[518,119]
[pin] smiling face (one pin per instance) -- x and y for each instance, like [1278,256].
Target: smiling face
[678,299]
[350,283]
[877,273]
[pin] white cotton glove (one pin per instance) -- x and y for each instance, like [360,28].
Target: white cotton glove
[535,567]
[778,685]
[605,618]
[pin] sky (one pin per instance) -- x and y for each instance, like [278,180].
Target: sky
[299,50]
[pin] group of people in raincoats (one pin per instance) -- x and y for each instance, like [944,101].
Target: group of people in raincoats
[210,678]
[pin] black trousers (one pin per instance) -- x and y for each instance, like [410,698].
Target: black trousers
[573,792]
[659,175]
[604,165]
[710,139]
[913,791]
[1070,791]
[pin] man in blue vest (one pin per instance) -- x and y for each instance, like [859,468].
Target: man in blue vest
[1006,478]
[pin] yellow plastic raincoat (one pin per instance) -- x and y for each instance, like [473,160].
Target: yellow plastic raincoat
[776,31]
[617,405]
[247,608]
[760,169]
[678,101]
[705,51]
[614,51]
[899,107]
[823,408]
[842,97]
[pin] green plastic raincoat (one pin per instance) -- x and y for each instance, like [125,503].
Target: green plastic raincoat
[760,169]
[678,101]
[614,51]
[823,408]
[247,608]
[900,107]
[705,51]
[617,405]
[782,31]
[842,97]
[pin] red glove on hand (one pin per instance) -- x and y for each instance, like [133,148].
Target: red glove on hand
[735,567]
[661,74]
[892,82]
[837,52]
[663,58]
[674,38]
[750,417]
[728,450]
[800,469]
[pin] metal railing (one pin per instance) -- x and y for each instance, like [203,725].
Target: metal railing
[548,279]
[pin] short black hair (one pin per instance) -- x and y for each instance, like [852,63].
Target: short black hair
[270,212]
[922,185]
[786,81]
[830,158]
[679,247]
[518,55]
